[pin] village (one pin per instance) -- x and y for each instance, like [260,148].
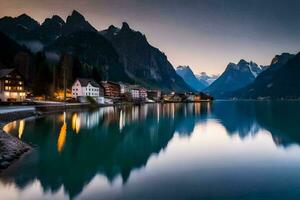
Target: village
[13,90]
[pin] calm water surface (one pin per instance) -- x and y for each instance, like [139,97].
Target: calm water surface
[220,150]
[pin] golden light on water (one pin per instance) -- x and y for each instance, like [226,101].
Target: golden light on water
[76,123]
[10,126]
[21,128]
[62,135]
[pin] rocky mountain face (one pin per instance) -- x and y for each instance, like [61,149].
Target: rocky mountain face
[207,79]
[114,54]
[18,28]
[144,63]
[234,77]
[189,77]
[14,55]
[280,80]
[76,22]
[98,57]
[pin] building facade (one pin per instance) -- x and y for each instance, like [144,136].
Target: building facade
[11,86]
[154,95]
[86,87]
[111,89]
[143,94]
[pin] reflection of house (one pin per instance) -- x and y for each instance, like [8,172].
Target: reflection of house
[87,87]
[111,89]
[11,85]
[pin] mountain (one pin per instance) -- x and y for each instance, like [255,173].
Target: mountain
[208,80]
[234,77]
[114,54]
[76,22]
[98,57]
[144,63]
[24,28]
[14,55]
[189,77]
[280,80]
[49,30]
[18,28]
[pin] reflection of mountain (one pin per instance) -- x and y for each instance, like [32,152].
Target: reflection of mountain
[281,118]
[247,117]
[109,141]
[237,117]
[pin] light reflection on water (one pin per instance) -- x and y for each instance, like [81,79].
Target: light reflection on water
[167,151]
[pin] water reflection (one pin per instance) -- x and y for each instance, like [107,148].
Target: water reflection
[21,128]
[62,135]
[116,141]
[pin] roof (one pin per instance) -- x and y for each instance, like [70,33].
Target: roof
[110,82]
[4,72]
[85,81]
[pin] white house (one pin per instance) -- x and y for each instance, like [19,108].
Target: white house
[87,87]
[135,93]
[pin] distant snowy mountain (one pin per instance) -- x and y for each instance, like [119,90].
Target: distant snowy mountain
[235,77]
[203,77]
[189,77]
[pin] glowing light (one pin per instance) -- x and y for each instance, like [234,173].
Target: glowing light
[21,128]
[10,126]
[76,123]
[62,136]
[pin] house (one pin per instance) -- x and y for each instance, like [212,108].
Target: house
[175,97]
[111,89]
[190,97]
[124,88]
[11,85]
[135,93]
[154,95]
[83,88]
[143,94]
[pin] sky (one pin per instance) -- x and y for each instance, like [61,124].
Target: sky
[204,34]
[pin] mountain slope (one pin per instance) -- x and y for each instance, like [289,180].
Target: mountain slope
[204,78]
[18,28]
[13,55]
[76,22]
[24,28]
[144,63]
[189,77]
[280,80]
[235,76]
[95,52]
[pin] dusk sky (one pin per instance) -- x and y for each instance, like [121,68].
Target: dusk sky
[204,34]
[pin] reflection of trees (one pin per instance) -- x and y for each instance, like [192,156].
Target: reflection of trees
[96,143]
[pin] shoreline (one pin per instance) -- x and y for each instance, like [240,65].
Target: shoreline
[11,147]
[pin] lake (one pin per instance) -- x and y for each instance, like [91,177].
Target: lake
[219,150]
